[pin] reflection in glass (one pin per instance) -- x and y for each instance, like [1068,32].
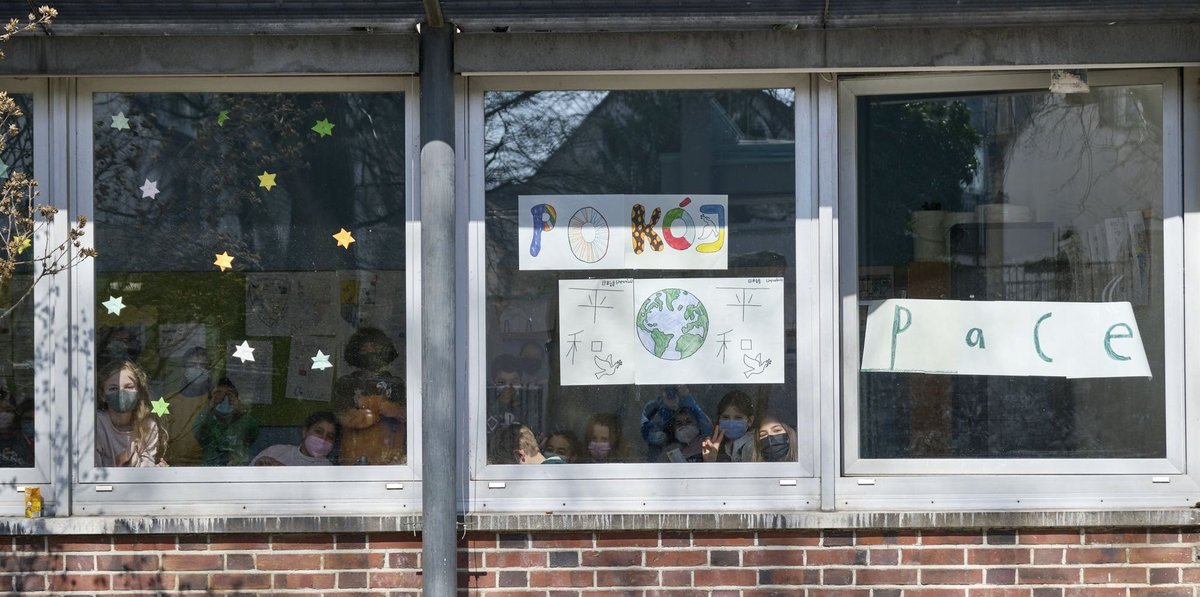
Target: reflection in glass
[17,406]
[738,143]
[1016,196]
[247,242]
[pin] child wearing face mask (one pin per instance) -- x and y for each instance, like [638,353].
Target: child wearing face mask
[316,442]
[369,402]
[126,433]
[186,406]
[563,444]
[657,416]
[776,441]
[603,439]
[732,442]
[225,428]
[689,437]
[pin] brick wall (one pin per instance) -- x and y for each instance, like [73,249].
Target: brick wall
[1025,563]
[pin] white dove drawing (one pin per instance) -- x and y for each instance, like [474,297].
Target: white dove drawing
[709,230]
[606,366]
[756,364]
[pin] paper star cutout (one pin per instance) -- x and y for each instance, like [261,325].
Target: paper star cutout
[160,406]
[321,361]
[224,260]
[26,242]
[323,127]
[266,180]
[344,238]
[244,352]
[150,189]
[114,304]
[3,170]
[222,117]
[119,121]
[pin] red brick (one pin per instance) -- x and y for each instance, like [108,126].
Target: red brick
[394,579]
[1048,537]
[239,561]
[68,543]
[127,562]
[1164,576]
[840,592]
[692,593]
[472,542]
[153,581]
[1164,536]
[1047,576]
[352,580]
[193,582]
[709,539]
[1191,575]
[886,576]
[192,562]
[1096,555]
[522,593]
[836,576]
[998,556]
[27,583]
[951,576]
[1002,576]
[238,542]
[79,582]
[301,541]
[1115,537]
[561,541]
[193,542]
[883,557]
[404,560]
[30,563]
[561,578]
[676,578]
[832,557]
[289,561]
[401,541]
[516,559]
[350,541]
[725,577]
[626,578]
[789,538]
[607,558]
[144,543]
[239,581]
[951,537]
[675,539]
[935,592]
[773,557]
[872,537]
[26,543]
[627,539]
[837,538]
[1048,555]
[1159,592]
[998,592]
[80,563]
[1093,592]
[935,557]
[1160,555]
[667,558]
[789,576]
[1114,575]
[304,581]
[351,561]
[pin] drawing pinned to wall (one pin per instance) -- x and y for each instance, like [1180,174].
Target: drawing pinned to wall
[623,232]
[306,380]
[253,377]
[284,304]
[671,331]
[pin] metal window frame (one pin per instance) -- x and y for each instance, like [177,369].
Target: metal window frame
[237,490]
[630,486]
[1013,483]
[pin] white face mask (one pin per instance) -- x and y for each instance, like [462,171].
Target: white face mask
[684,434]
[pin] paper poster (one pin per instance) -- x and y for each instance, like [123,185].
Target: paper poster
[176,339]
[252,378]
[671,331]
[304,382]
[283,304]
[1024,338]
[587,232]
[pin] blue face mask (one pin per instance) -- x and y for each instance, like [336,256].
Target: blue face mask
[734,428]
[224,407]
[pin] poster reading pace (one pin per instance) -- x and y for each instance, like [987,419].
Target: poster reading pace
[592,232]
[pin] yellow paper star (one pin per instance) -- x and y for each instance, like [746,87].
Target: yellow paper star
[160,406]
[224,260]
[266,180]
[344,238]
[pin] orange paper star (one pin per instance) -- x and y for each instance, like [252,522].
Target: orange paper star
[224,260]
[344,238]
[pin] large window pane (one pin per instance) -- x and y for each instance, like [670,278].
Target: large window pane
[987,201]
[251,278]
[631,185]
[17,405]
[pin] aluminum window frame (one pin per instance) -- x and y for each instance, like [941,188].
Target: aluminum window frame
[760,486]
[239,490]
[1014,483]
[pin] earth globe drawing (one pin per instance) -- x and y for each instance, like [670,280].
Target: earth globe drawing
[672,324]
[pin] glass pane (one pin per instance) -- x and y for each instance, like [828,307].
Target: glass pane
[250,279]
[985,202]
[17,405]
[654,385]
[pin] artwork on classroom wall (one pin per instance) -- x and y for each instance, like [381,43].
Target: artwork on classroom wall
[303,381]
[253,379]
[586,232]
[671,331]
[176,339]
[287,303]
[1017,338]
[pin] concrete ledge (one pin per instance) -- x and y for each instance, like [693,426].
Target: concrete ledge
[117,525]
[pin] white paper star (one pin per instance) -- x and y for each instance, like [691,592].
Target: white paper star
[114,304]
[150,189]
[120,122]
[244,352]
[321,361]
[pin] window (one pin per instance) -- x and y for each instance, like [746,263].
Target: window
[1015,255]
[640,296]
[251,283]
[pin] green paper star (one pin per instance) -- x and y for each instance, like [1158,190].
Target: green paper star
[160,406]
[323,127]
[120,122]
[222,117]
[3,170]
